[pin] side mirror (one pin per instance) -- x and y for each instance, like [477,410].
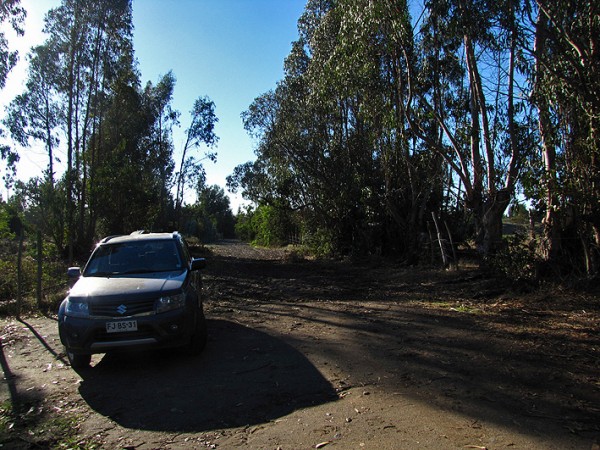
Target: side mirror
[198,263]
[74,272]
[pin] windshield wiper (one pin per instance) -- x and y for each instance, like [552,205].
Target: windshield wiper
[107,274]
[133,271]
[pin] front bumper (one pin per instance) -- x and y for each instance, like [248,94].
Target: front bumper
[88,335]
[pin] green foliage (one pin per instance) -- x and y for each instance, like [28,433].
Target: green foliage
[214,205]
[14,13]
[374,126]
[43,205]
[210,219]
[200,131]
[4,222]
[117,137]
[265,226]
[52,277]
[519,213]
[517,260]
[320,243]
[333,147]
[8,283]
[268,225]
[243,225]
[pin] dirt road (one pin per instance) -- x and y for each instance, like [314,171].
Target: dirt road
[310,354]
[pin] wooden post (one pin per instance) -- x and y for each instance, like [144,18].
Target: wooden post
[454,258]
[40,254]
[440,240]
[19,275]
[431,242]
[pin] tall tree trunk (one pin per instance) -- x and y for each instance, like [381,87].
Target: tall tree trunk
[49,145]
[69,207]
[474,201]
[491,220]
[551,242]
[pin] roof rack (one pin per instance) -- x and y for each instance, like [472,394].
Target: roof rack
[108,238]
[133,233]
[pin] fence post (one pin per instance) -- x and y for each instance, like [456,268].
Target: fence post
[19,274]
[431,244]
[454,258]
[39,269]
[440,240]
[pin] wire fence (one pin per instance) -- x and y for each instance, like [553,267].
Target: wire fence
[32,279]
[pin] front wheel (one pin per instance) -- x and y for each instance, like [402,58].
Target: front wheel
[200,336]
[78,361]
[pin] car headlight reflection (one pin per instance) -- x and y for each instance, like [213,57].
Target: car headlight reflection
[168,303]
[76,308]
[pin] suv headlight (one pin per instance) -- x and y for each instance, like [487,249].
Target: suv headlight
[164,304]
[77,309]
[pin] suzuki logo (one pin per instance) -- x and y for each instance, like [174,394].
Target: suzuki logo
[122,309]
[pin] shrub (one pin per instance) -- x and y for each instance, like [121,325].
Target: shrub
[517,260]
[53,276]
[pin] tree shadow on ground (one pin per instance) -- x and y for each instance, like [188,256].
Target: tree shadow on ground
[16,414]
[524,363]
[244,377]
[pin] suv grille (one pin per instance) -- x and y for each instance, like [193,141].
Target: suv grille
[122,309]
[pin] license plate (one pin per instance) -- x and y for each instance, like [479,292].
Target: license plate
[121,326]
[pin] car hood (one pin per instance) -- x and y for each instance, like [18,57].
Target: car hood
[143,285]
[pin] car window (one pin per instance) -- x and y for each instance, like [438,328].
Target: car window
[186,251]
[134,257]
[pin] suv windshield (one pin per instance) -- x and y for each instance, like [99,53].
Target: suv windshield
[134,257]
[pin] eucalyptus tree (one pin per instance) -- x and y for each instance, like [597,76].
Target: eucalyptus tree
[484,126]
[10,11]
[567,95]
[200,131]
[333,139]
[88,38]
[159,141]
[290,170]
[214,206]
[34,114]
[375,45]
[315,150]
[318,132]
[342,149]
[252,178]
[122,184]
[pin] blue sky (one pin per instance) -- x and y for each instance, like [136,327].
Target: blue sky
[230,50]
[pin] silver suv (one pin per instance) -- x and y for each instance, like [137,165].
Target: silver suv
[138,291]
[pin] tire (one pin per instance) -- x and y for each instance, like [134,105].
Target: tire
[200,336]
[78,361]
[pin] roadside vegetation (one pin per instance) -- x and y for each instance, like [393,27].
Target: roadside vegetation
[406,130]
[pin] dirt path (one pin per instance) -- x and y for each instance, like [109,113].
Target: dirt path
[306,354]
